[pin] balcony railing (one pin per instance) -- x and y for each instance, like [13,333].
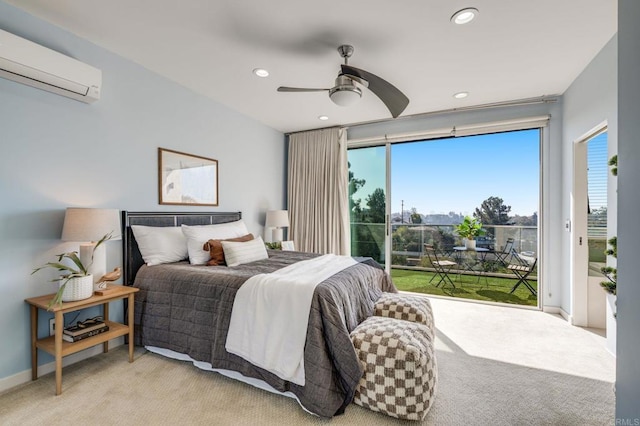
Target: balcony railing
[367,239]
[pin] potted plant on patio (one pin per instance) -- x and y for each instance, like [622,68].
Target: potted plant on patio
[468,230]
[611,284]
[76,283]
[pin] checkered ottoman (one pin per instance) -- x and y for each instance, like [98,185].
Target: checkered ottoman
[399,364]
[405,307]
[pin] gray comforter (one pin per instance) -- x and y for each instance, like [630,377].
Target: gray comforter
[188,308]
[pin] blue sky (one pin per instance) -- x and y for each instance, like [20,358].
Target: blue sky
[456,174]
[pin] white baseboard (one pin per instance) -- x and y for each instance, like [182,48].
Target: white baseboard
[566,316]
[558,311]
[25,376]
[551,310]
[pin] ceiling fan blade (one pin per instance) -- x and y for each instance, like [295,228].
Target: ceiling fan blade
[389,94]
[299,89]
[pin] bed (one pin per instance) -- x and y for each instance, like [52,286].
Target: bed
[184,311]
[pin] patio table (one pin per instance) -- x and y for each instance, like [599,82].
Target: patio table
[467,263]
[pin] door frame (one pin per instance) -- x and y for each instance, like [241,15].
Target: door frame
[388,242]
[579,247]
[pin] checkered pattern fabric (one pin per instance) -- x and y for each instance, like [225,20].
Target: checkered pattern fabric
[405,307]
[400,367]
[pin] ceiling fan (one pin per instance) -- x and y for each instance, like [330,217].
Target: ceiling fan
[346,93]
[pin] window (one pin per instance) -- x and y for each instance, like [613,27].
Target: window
[432,185]
[597,177]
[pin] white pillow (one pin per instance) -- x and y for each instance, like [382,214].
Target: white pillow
[237,253]
[160,244]
[200,234]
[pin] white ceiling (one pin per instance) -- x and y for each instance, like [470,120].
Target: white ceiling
[515,49]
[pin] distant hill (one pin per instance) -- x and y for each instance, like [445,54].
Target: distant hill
[430,219]
[455,218]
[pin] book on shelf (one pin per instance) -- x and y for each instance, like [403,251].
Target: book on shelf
[85,335]
[81,328]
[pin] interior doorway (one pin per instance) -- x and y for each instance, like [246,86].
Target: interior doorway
[589,223]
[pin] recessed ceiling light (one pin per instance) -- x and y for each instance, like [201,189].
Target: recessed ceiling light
[261,72]
[461,95]
[323,117]
[464,16]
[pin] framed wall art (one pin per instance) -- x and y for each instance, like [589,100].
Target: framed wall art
[185,179]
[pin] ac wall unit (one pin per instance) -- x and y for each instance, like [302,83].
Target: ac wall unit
[29,63]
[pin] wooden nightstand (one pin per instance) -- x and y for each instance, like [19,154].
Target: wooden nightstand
[60,348]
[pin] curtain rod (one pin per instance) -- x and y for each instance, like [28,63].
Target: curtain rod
[519,102]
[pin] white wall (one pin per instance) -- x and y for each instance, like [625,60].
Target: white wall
[590,100]
[551,160]
[628,365]
[56,152]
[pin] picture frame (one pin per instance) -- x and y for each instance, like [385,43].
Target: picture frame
[186,179]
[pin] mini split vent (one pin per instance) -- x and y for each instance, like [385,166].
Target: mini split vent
[29,63]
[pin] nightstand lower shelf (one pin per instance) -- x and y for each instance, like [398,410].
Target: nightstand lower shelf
[116,329]
[60,348]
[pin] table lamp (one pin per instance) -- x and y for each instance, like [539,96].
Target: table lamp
[277,219]
[88,226]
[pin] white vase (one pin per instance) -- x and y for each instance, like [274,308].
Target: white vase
[470,244]
[611,323]
[77,288]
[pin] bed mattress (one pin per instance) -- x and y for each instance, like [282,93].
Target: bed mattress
[186,309]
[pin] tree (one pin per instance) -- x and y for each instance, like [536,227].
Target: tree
[354,204]
[365,240]
[443,240]
[493,211]
[376,204]
[524,220]
[415,216]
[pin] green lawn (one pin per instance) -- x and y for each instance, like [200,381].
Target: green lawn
[492,289]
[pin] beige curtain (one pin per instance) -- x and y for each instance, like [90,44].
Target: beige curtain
[318,185]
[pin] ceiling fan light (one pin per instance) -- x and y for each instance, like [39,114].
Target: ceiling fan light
[345,95]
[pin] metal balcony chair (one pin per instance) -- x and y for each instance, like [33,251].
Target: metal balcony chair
[506,253]
[522,270]
[442,267]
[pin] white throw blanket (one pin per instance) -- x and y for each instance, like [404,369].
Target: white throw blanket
[271,312]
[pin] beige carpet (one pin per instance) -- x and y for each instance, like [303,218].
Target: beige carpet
[497,366]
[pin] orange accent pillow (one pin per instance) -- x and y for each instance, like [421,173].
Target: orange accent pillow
[215,249]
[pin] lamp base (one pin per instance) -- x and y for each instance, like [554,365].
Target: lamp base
[97,267]
[276,235]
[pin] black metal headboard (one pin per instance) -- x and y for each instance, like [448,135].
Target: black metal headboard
[132,259]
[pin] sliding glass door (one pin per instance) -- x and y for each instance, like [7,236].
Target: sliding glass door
[404,195]
[368,202]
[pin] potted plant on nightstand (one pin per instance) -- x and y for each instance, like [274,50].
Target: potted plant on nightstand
[468,230]
[76,283]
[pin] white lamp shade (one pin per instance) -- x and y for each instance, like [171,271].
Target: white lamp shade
[81,224]
[277,219]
